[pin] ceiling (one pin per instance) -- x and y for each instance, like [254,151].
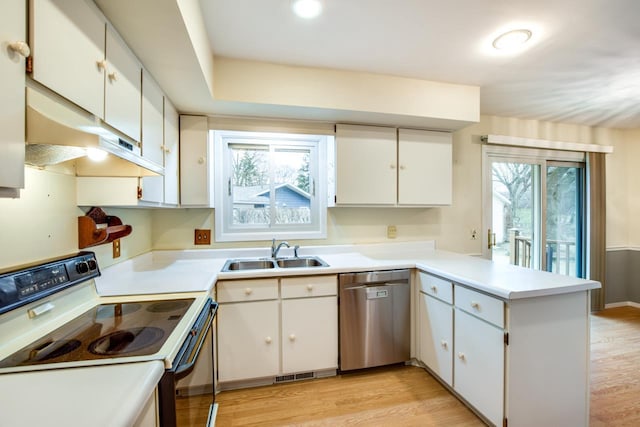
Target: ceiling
[582,65]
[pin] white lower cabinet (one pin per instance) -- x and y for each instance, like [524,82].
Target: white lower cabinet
[436,336]
[479,365]
[248,340]
[266,333]
[309,334]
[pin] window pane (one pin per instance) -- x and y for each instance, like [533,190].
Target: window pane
[563,220]
[250,182]
[292,185]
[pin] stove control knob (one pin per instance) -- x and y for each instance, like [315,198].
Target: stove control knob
[82,267]
[92,264]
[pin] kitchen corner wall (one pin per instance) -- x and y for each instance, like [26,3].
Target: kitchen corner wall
[43,223]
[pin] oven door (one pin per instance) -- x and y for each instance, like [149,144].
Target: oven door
[183,365]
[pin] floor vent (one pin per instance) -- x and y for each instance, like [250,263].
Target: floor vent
[295,377]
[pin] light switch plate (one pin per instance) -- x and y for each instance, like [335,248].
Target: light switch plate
[392,232]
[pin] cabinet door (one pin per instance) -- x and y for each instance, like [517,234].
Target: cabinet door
[436,336]
[366,165]
[152,137]
[171,160]
[425,167]
[196,162]
[248,344]
[479,365]
[12,29]
[309,334]
[122,91]
[68,39]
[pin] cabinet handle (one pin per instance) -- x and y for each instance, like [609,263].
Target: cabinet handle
[475,305]
[113,76]
[102,64]
[461,356]
[267,340]
[292,337]
[444,344]
[309,287]
[434,289]
[248,291]
[21,48]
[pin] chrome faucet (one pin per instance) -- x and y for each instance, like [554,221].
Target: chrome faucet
[275,249]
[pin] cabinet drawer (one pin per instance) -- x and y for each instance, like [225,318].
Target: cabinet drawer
[310,286]
[480,305]
[247,290]
[435,286]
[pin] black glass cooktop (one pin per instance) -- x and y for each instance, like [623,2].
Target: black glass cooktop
[106,331]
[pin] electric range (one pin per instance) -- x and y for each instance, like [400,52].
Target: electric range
[51,317]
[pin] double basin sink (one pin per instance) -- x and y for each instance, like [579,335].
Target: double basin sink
[269,263]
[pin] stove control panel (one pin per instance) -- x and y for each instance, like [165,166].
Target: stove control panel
[32,283]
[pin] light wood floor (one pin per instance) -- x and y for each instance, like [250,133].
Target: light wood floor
[408,396]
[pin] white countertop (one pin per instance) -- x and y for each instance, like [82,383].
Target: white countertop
[198,270]
[96,396]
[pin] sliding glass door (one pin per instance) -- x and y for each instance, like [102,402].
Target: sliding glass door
[534,209]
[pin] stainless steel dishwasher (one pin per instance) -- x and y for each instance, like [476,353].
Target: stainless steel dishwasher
[374,319]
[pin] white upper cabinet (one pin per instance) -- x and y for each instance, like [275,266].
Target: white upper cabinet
[68,42]
[152,120]
[123,87]
[79,55]
[381,166]
[366,165]
[196,162]
[171,154]
[12,103]
[424,167]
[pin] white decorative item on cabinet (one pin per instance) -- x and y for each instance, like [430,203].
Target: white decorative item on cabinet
[249,327]
[196,162]
[12,106]
[435,325]
[382,166]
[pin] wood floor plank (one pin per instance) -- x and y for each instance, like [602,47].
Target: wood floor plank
[409,396]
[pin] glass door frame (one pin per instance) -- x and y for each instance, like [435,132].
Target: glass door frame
[542,159]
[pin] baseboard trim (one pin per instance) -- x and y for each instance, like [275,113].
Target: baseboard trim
[622,304]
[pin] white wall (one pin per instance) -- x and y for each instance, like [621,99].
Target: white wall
[43,223]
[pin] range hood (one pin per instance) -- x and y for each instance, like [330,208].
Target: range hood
[58,131]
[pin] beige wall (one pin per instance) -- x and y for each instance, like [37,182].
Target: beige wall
[43,223]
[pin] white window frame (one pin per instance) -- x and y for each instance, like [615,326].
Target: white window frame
[225,231]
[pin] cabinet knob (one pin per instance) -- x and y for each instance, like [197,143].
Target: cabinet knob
[461,356]
[434,289]
[113,76]
[444,344]
[309,287]
[475,305]
[267,340]
[102,64]
[200,160]
[392,166]
[167,150]
[248,291]
[402,167]
[21,48]
[292,337]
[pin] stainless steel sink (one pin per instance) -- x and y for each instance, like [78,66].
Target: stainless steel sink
[266,264]
[257,264]
[301,262]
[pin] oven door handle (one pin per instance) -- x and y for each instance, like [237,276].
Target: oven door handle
[194,343]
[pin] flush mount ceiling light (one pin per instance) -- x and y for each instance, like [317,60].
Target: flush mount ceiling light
[512,40]
[307,9]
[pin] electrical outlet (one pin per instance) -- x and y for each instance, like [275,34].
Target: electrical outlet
[392,232]
[116,248]
[202,237]
[474,234]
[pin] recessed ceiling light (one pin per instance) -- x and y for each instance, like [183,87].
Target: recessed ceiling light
[307,8]
[512,40]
